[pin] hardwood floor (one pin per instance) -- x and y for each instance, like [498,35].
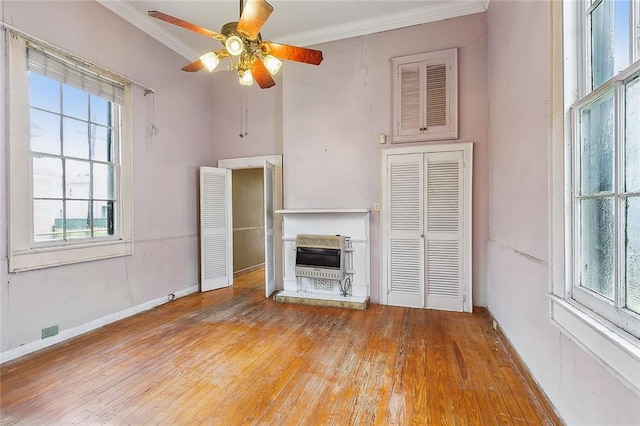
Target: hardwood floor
[233,357]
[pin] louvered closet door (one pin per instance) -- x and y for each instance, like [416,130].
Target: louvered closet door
[405,243]
[443,230]
[216,243]
[269,233]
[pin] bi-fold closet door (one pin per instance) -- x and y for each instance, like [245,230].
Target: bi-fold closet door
[428,229]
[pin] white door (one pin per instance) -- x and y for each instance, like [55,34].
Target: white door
[443,230]
[405,245]
[428,230]
[269,234]
[216,240]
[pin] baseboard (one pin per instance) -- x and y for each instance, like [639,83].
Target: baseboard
[526,374]
[247,270]
[70,333]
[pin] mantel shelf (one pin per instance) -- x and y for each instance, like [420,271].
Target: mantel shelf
[316,211]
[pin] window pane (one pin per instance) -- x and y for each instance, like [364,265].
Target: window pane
[609,40]
[75,102]
[77,179]
[75,136]
[103,181]
[44,93]
[102,218]
[632,136]
[45,131]
[596,150]
[47,220]
[77,220]
[622,40]
[100,111]
[597,246]
[101,146]
[632,249]
[47,177]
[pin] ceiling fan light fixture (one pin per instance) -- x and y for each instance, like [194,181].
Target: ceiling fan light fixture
[245,77]
[210,61]
[272,64]
[234,45]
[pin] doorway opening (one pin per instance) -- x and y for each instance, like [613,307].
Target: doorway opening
[256,193]
[247,194]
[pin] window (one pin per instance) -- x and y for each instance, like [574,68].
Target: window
[425,96]
[595,297]
[606,169]
[70,164]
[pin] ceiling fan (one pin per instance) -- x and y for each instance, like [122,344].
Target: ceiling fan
[252,57]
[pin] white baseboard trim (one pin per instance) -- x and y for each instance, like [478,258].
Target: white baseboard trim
[34,346]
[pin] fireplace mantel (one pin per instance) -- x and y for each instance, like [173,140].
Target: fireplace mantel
[353,223]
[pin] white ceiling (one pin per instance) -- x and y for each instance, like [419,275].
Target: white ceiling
[295,22]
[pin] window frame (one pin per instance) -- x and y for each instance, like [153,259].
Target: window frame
[613,311]
[613,347]
[24,253]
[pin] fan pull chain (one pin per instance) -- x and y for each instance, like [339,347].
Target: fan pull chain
[244,113]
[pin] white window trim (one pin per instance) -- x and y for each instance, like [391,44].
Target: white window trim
[23,253]
[613,348]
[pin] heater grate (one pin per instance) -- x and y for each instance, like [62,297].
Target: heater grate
[323,285]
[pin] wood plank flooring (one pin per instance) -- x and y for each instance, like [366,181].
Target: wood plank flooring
[232,357]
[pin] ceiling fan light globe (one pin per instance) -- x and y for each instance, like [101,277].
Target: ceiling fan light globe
[272,64]
[245,78]
[234,45]
[210,61]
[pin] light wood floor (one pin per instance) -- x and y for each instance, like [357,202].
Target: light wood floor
[232,357]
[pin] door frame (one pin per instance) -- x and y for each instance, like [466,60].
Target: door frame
[467,149]
[258,163]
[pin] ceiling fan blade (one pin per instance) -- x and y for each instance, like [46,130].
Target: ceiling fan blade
[186,25]
[193,66]
[292,53]
[261,74]
[254,15]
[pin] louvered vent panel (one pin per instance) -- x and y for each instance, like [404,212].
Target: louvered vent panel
[436,95]
[410,98]
[214,208]
[443,210]
[215,259]
[405,266]
[269,199]
[405,180]
[443,268]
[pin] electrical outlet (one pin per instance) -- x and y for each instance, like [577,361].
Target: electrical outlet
[376,207]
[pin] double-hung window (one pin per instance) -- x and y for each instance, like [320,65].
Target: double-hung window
[69,159]
[606,167]
[596,299]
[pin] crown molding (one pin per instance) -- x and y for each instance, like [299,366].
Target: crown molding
[431,13]
[142,22]
[387,22]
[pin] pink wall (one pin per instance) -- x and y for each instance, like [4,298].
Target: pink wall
[165,176]
[518,251]
[333,115]
[259,110]
[330,117]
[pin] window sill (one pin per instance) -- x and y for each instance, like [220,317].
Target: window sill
[614,349]
[40,258]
